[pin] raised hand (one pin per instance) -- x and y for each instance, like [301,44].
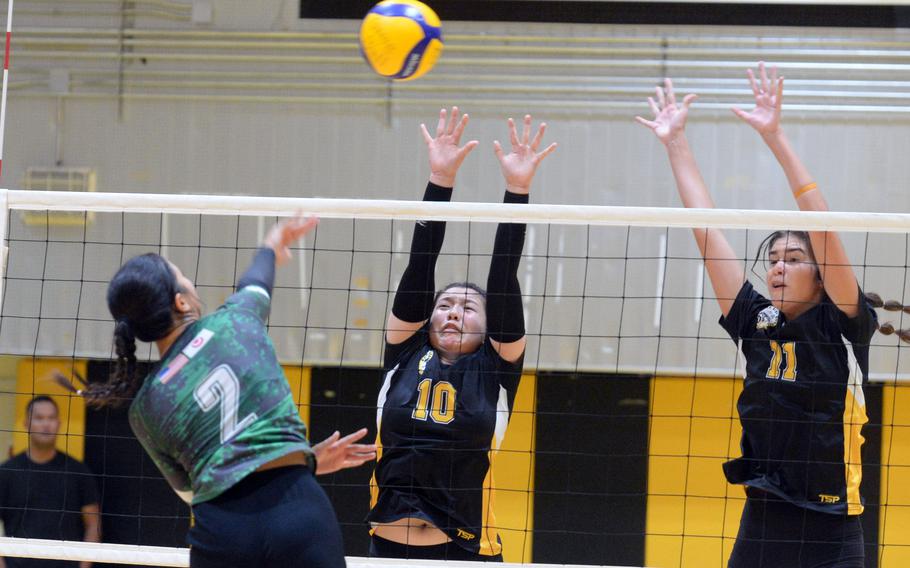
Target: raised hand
[669,117]
[285,233]
[445,155]
[335,453]
[519,166]
[769,93]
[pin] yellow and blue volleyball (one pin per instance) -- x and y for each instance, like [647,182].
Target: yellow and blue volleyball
[401,39]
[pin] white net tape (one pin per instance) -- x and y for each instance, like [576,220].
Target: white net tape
[180,557]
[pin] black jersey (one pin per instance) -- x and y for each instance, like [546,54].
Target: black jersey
[439,428]
[802,407]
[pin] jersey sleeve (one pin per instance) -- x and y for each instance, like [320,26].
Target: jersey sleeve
[739,319]
[507,372]
[172,471]
[252,298]
[860,328]
[395,352]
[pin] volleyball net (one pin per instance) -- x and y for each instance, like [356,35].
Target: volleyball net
[625,413]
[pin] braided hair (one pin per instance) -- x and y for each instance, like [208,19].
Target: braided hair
[140,298]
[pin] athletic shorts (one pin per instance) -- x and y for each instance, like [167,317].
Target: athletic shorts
[382,548]
[275,518]
[776,534]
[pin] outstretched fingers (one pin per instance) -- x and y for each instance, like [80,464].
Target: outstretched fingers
[756,90]
[459,126]
[426,133]
[513,134]
[466,149]
[547,151]
[688,100]
[453,121]
[740,113]
[779,91]
[535,144]
[654,108]
[300,226]
[441,123]
[644,121]
[497,149]
[668,87]
[526,131]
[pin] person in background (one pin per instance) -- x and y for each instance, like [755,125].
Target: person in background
[44,493]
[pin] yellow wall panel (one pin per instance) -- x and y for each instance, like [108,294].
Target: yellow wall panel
[894,515]
[299,379]
[693,513]
[513,471]
[35,377]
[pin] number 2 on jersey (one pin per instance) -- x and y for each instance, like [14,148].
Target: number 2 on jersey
[223,386]
[780,353]
[438,403]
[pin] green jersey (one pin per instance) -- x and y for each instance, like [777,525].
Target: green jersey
[218,405]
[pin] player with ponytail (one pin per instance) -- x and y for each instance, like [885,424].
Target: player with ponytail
[802,407]
[217,417]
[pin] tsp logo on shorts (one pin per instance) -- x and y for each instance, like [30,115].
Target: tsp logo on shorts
[767,318]
[466,535]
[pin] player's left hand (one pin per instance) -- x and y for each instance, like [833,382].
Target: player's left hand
[769,94]
[520,165]
[336,453]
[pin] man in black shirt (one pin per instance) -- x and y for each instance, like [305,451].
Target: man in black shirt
[45,493]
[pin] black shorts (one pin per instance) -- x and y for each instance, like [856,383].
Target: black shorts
[776,534]
[279,517]
[382,548]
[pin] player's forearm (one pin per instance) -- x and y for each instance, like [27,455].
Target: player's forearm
[689,183]
[798,177]
[92,533]
[505,313]
[261,271]
[414,297]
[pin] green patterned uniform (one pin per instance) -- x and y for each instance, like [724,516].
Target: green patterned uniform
[218,405]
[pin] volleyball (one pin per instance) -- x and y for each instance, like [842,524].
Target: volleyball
[401,39]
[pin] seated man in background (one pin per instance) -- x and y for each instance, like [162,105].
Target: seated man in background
[45,493]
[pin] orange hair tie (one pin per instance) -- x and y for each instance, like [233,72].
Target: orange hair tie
[805,189]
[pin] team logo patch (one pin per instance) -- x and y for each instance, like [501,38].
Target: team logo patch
[767,318]
[167,373]
[198,342]
[466,535]
[422,365]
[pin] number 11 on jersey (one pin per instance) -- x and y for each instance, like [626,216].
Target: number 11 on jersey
[779,354]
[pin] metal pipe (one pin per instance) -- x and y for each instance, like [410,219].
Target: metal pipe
[589,107]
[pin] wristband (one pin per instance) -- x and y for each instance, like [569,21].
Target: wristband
[805,189]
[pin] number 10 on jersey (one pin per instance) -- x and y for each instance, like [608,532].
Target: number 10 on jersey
[437,402]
